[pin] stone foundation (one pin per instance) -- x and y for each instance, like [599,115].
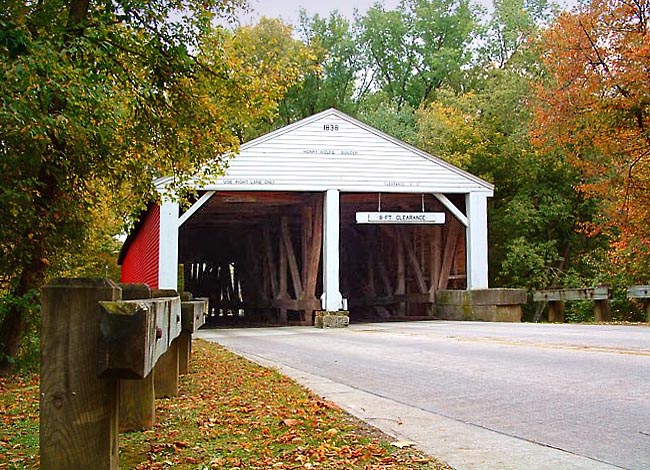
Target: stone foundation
[326,319]
[498,305]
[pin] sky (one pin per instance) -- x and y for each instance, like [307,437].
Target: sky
[288,9]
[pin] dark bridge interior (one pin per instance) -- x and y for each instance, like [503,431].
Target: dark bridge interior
[258,257]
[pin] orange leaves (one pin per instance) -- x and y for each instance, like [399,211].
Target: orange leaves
[235,414]
[596,109]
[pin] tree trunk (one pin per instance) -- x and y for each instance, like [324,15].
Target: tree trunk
[11,332]
[17,317]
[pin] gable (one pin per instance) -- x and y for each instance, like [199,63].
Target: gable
[331,150]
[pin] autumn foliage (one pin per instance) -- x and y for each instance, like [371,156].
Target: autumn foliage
[596,109]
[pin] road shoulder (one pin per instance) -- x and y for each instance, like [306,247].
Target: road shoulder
[461,445]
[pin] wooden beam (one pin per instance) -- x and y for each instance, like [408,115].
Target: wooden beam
[596,293]
[435,259]
[315,250]
[449,254]
[400,288]
[307,235]
[282,274]
[135,334]
[383,271]
[291,256]
[270,260]
[415,265]
[638,292]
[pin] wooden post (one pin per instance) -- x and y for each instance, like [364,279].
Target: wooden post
[285,235]
[166,373]
[453,231]
[401,271]
[315,250]
[556,311]
[378,245]
[415,264]
[435,262]
[642,293]
[602,310]
[307,227]
[270,261]
[78,411]
[137,404]
[192,317]
[282,280]
[184,352]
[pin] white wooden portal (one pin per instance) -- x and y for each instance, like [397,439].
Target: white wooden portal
[333,153]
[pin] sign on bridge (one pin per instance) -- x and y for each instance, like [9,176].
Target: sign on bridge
[400,217]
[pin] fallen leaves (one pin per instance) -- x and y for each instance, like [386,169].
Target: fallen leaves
[231,414]
[246,416]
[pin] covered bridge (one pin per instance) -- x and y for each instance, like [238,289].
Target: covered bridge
[327,213]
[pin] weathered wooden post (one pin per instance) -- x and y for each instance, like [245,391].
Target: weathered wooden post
[78,411]
[135,335]
[556,311]
[166,373]
[643,293]
[168,320]
[192,318]
[602,310]
[137,402]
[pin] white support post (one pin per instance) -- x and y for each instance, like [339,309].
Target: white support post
[331,250]
[477,243]
[168,253]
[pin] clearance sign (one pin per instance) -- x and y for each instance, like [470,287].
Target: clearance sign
[401,218]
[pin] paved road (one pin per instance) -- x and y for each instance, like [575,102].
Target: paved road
[479,395]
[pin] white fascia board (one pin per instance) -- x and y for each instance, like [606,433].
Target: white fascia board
[344,188]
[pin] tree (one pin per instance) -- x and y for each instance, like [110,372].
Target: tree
[271,53]
[536,211]
[100,98]
[416,49]
[512,26]
[336,82]
[596,109]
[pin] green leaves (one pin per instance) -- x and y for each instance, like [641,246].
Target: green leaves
[98,100]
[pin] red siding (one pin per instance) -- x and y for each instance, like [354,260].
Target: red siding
[140,264]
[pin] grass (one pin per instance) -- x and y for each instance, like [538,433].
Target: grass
[230,414]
